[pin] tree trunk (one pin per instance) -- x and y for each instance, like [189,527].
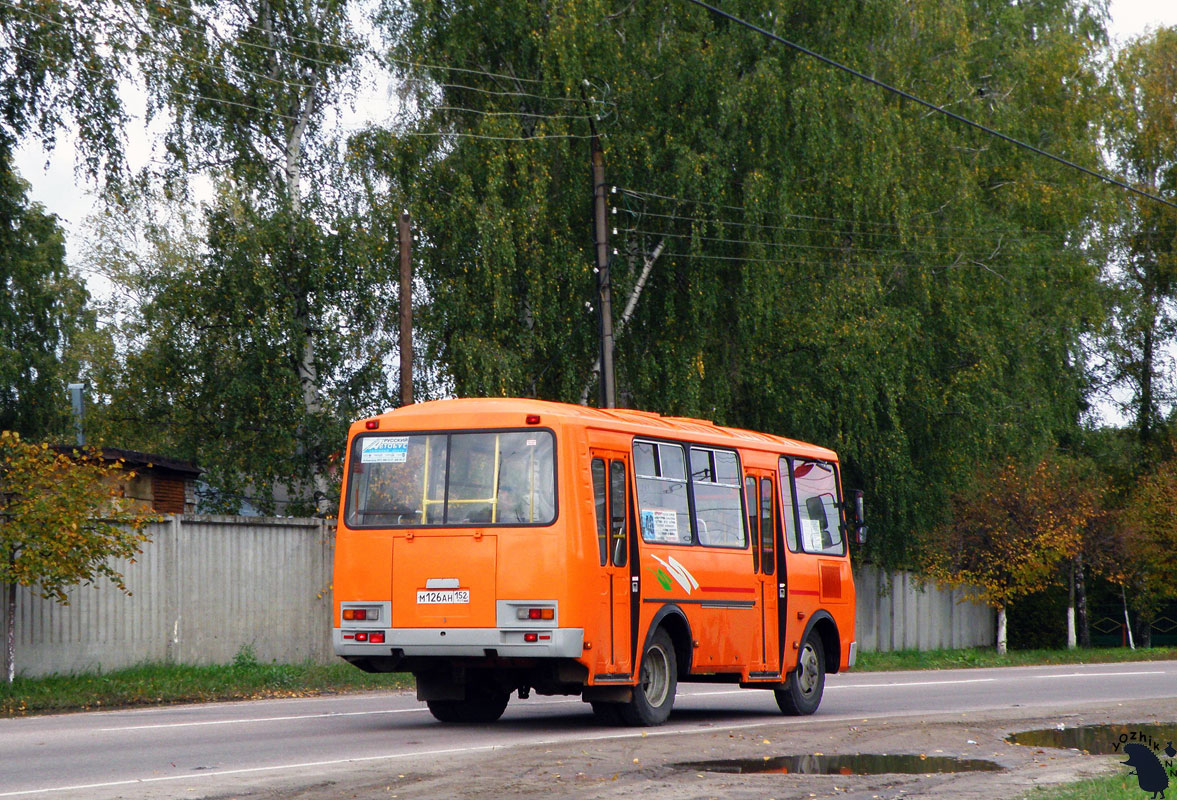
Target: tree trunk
[1081,603]
[1144,626]
[630,305]
[308,370]
[10,634]
[1144,414]
[1001,640]
[1127,621]
[1071,638]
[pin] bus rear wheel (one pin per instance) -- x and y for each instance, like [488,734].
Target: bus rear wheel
[482,704]
[804,687]
[607,713]
[653,697]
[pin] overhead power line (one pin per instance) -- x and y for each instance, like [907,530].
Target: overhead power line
[853,227]
[932,106]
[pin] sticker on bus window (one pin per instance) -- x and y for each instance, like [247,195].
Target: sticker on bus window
[811,534]
[384,450]
[660,525]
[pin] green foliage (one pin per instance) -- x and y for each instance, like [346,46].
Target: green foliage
[1142,136]
[259,322]
[245,658]
[42,314]
[61,63]
[838,267]
[1148,547]
[214,331]
[1120,786]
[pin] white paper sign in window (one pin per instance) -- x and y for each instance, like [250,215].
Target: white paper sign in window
[659,525]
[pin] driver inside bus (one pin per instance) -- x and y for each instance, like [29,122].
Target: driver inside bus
[513,505]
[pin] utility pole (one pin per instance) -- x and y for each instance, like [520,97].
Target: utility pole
[604,283]
[406,320]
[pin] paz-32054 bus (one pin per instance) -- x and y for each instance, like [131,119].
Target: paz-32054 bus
[493,546]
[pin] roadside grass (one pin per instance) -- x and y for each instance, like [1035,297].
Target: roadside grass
[164,684]
[1110,787]
[988,657]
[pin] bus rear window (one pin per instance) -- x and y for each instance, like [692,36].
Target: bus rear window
[452,479]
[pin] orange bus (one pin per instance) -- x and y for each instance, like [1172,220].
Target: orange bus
[492,546]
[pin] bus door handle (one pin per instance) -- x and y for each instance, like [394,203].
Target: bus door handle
[781,590]
[635,584]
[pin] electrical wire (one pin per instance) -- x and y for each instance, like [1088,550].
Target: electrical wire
[527,95]
[972,264]
[786,245]
[924,233]
[744,210]
[932,106]
[462,135]
[527,114]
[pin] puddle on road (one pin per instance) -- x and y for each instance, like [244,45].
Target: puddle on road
[1099,739]
[861,764]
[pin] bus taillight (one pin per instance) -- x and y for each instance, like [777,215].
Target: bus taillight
[536,613]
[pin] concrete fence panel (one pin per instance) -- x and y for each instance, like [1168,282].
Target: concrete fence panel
[203,589]
[897,611]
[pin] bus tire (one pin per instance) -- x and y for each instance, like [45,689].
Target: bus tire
[805,684]
[607,713]
[482,706]
[653,697]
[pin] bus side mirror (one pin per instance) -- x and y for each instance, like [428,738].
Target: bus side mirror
[859,515]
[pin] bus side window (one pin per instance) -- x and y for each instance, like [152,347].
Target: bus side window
[751,505]
[619,512]
[601,500]
[767,528]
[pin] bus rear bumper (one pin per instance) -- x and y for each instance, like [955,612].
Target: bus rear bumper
[479,642]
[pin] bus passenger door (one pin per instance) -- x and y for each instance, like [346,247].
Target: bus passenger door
[763,518]
[611,493]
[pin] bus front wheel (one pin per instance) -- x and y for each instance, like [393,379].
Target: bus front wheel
[804,687]
[653,697]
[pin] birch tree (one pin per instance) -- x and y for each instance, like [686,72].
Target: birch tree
[270,333]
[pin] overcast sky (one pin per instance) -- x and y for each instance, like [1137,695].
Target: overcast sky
[62,193]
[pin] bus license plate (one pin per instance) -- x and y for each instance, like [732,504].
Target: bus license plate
[431,596]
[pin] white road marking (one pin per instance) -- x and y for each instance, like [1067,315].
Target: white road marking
[255,719]
[249,720]
[913,683]
[1100,674]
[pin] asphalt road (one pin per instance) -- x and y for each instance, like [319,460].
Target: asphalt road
[216,749]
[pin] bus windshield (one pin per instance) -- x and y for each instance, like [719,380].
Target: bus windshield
[452,479]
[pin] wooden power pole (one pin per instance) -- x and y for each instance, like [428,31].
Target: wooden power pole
[604,283]
[406,320]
